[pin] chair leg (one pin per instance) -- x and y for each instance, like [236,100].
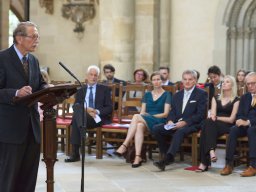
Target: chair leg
[99,147]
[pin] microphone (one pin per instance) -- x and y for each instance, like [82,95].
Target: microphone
[69,72]
[79,108]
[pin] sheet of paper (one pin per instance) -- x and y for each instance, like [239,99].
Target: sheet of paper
[169,126]
[97,119]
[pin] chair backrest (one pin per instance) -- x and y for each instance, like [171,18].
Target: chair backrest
[128,101]
[113,87]
[64,109]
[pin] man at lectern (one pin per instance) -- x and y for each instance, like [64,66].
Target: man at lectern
[96,100]
[19,131]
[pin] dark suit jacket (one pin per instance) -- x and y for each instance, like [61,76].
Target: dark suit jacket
[15,118]
[102,101]
[244,108]
[195,110]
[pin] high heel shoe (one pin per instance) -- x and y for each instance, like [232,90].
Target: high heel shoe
[137,164]
[121,154]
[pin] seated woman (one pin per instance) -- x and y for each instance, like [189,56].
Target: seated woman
[154,110]
[222,117]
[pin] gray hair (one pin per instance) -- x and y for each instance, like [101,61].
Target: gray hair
[21,29]
[190,72]
[93,67]
[250,74]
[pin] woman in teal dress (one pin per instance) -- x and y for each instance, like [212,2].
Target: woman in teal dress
[154,110]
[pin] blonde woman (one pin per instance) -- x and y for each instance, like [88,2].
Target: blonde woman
[154,110]
[222,117]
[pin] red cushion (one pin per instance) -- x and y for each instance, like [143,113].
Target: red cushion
[61,121]
[115,120]
[116,126]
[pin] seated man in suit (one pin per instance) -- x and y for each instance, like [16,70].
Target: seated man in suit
[96,100]
[245,126]
[188,109]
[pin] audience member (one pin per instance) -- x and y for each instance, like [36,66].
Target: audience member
[222,117]
[165,73]
[109,72]
[95,99]
[154,110]
[240,76]
[188,109]
[214,74]
[245,126]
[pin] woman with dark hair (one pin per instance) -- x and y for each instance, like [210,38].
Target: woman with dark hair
[222,117]
[140,76]
[154,110]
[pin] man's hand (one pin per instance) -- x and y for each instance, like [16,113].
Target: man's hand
[92,112]
[24,91]
[180,124]
[241,122]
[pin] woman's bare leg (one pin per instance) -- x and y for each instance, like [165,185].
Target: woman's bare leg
[130,134]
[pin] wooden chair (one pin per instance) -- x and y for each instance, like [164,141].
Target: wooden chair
[104,134]
[63,124]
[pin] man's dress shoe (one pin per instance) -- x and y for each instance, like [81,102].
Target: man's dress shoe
[249,172]
[72,159]
[160,164]
[227,170]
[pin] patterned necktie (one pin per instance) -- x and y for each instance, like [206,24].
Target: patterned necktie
[91,98]
[25,65]
[253,101]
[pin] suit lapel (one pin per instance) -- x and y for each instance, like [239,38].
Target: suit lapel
[17,63]
[180,102]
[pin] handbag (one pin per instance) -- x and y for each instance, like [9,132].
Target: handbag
[130,153]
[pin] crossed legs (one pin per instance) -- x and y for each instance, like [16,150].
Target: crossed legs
[136,131]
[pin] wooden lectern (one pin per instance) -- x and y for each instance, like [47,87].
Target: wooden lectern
[49,97]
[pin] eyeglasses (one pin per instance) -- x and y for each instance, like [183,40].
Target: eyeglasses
[33,37]
[140,74]
[251,83]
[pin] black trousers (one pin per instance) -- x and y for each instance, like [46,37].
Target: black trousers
[76,127]
[210,132]
[19,165]
[178,135]
[236,132]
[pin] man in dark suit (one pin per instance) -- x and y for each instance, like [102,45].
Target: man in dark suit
[165,73]
[96,100]
[20,129]
[245,126]
[188,109]
[109,72]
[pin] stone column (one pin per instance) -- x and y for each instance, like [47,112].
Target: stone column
[116,36]
[4,23]
[164,52]
[147,34]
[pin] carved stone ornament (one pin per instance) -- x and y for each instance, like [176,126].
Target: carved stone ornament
[48,4]
[79,12]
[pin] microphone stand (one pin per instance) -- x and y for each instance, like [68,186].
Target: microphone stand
[82,128]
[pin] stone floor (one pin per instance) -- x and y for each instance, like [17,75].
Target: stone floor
[114,175]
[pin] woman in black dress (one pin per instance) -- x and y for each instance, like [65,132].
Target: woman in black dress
[222,117]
